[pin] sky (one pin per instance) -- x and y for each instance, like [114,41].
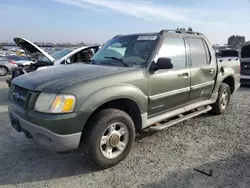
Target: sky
[97,21]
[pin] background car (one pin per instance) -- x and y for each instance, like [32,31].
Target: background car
[245,63]
[228,52]
[6,66]
[42,59]
[20,60]
[58,57]
[4,53]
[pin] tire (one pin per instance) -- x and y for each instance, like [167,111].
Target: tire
[219,107]
[3,71]
[108,124]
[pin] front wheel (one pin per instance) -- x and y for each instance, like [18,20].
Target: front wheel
[224,95]
[109,137]
[3,71]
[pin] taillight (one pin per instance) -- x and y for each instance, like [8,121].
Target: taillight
[12,62]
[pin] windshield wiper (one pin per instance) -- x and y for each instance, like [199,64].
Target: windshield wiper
[120,60]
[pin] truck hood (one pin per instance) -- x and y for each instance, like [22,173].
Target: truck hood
[33,50]
[55,78]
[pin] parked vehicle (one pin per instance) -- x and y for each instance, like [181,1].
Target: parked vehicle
[4,53]
[20,60]
[228,52]
[134,82]
[62,56]
[245,63]
[6,66]
[43,59]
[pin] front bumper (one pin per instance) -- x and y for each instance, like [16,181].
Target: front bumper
[45,137]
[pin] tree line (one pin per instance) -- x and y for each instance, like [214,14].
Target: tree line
[234,41]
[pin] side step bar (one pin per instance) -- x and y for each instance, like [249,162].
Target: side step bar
[180,119]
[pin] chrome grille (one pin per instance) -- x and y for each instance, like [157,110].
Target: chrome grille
[20,96]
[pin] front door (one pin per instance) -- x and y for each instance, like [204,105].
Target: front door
[169,89]
[203,69]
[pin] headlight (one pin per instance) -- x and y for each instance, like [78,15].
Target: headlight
[63,104]
[52,103]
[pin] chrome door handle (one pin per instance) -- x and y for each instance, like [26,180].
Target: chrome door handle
[211,71]
[183,75]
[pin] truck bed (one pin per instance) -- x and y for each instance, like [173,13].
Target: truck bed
[232,62]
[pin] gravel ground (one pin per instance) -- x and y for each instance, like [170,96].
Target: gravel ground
[164,159]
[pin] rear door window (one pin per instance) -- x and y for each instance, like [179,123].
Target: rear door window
[208,54]
[198,52]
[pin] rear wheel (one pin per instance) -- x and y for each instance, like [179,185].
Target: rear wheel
[109,137]
[3,71]
[219,107]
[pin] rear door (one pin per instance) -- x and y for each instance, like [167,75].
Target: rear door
[202,69]
[169,89]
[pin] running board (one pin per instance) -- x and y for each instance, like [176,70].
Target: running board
[180,119]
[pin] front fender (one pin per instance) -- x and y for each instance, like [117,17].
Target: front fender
[104,95]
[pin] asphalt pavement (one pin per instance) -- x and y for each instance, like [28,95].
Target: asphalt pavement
[4,78]
[207,151]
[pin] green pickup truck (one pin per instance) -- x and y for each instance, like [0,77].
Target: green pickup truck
[134,82]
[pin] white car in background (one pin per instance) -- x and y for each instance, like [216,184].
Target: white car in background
[63,56]
[42,60]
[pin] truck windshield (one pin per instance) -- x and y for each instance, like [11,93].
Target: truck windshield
[126,51]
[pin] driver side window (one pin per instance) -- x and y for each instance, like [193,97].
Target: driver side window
[82,56]
[174,48]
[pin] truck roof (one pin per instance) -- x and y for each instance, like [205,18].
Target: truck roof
[168,32]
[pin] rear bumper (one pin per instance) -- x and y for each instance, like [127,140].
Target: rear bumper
[245,79]
[47,138]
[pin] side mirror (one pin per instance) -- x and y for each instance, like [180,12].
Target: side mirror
[68,61]
[163,63]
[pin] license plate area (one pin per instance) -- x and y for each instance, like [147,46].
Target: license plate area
[15,123]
